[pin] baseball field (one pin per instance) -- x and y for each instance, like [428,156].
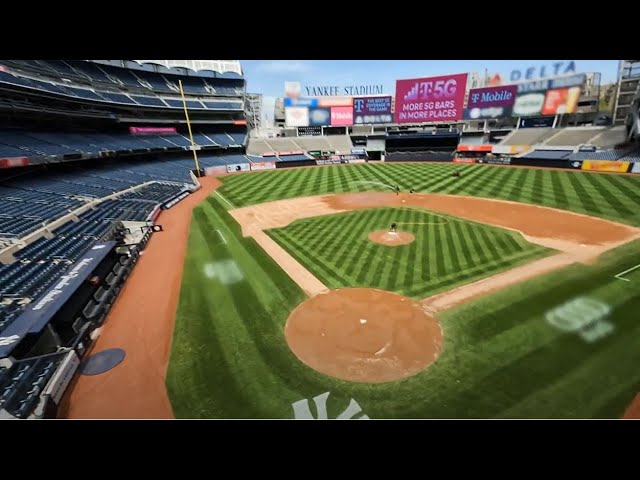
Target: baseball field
[505,293]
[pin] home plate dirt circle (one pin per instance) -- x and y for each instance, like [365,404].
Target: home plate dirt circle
[391,239]
[363,335]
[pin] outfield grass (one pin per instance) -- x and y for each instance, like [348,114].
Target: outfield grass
[447,251]
[615,197]
[501,358]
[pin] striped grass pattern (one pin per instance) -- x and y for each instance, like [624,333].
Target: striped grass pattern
[615,197]
[447,251]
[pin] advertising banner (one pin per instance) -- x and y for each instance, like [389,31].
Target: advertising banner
[492,102]
[14,162]
[510,149]
[464,160]
[495,161]
[434,99]
[605,166]
[553,95]
[561,100]
[319,117]
[635,168]
[475,148]
[335,102]
[215,170]
[358,151]
[301,102]
[341,116]
[529,104]
[152,130]
[238,167]
[369,110]
[263,166]
[296,116]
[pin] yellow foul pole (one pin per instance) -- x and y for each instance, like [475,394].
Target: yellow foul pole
[193,144]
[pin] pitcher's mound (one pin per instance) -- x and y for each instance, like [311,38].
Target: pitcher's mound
[363,335]
[392,239]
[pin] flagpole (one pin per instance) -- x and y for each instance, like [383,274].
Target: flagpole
[193,144]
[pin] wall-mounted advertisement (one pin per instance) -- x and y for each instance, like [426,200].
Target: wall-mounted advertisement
[370,110]
[553,96]
[319,117]
[433,99]
[561,100]
[605,166]
[238,167]
[341,116]
[635,168]
[335,101]
[263,166]
[296,116]
[301,102]
[492,102]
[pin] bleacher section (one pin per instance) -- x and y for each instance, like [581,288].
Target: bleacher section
[104,84]
[22,383]
[609,138]
[339,143]
[528,136]
[32,144]
[573,136]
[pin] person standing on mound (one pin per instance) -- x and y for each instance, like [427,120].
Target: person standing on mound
[394,227]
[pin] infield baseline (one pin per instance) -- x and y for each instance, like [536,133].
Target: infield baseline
[619,276]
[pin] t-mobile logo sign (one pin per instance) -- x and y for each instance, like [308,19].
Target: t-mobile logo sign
[435,90]
[358,105]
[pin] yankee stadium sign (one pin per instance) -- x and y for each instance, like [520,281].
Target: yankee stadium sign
[349,90]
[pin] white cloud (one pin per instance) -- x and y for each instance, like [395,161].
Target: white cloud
[285,66]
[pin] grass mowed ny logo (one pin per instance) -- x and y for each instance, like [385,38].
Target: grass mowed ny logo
[302,410]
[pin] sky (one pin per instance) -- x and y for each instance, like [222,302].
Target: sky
[268,76]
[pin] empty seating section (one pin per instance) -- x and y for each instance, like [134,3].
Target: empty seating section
[194,85]
[338,143]
[117,97]
[18,143]
[222,105]
[8,311]
[154,192]
[177,103]
[157,82]
[604,155]
[292,158]
[30,279]
[22,383]
[105,83]
[528,136]
[609,138]
[149,101]
[573,136]
[238,138]
[258,146]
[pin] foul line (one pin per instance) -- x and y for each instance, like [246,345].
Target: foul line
[619,276]
[227,201]
[224,240]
